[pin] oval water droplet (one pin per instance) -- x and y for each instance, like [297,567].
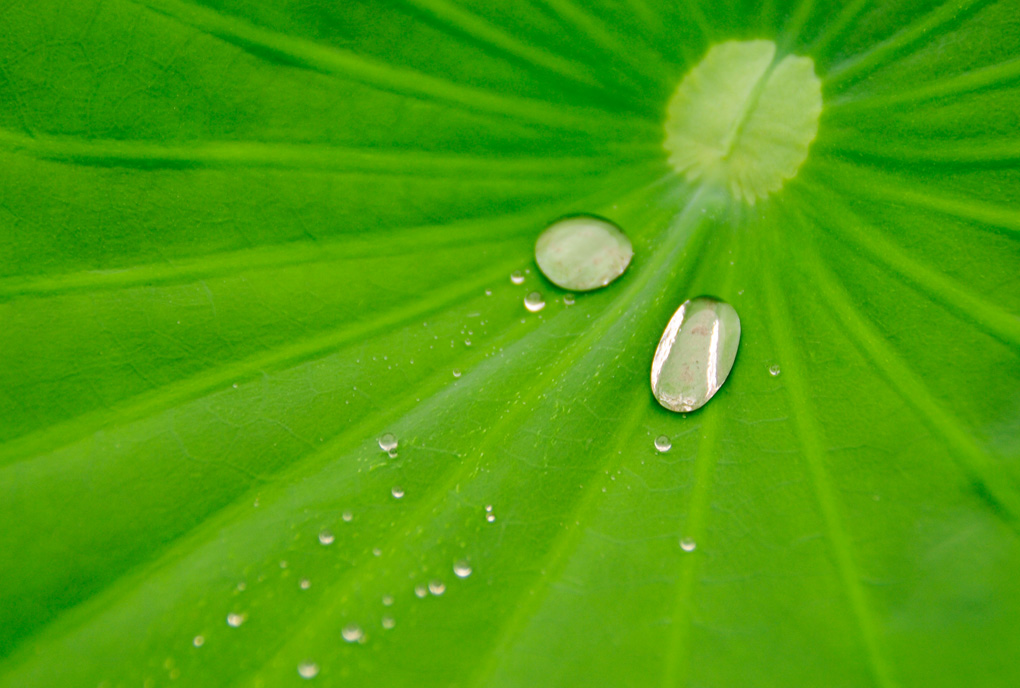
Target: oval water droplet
[397,492]
[517,277]
[235,620]
[663,444]
[199,641]
[491,518]
[326,537]
[774,370]
[534,302]
[308,669]
[695,354]
[582,253]
[687,544]
[437,587]
[462,569]
[388,442]
[352,633]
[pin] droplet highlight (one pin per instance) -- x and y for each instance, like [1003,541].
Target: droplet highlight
[326,537]
[774,370]
[687,544]
[437,587]
[583,252]
[235,620]
[352,633]
[534,302]
[462,569]
[388,442]
[662,444]
[397,492]
[695,354]
[517,277]
[308,669]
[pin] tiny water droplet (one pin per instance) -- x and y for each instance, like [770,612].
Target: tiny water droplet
[421,591]
[488,292]
[308,669]
[456,372]
[774,370]
[687,544]
[388,622]
[397,492]
[534,302]
[241,586]
[488,508]
[583,252]
[436,587]
[491,518]
[695,354]
[392,453]
[376,552]
[388,442]
[568,299]
[283,564]
[347,516]
[387,600]
[352,633]
[462,569]
[663,444]
[326,537]
[305,583]
[199,641]
[235,620]
[517,277]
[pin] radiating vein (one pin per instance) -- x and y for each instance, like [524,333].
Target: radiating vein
[834,29]
[812,442]
[954,154]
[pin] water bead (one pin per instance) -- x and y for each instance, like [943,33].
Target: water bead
[583,252]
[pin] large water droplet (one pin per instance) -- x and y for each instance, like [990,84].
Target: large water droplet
[583,253]
[388,442]
[663,444]
[534,302]
[308,669]
[352,633]
[235,620]
[462,569]
[695,354]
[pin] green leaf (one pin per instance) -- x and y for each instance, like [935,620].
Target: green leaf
[240,241]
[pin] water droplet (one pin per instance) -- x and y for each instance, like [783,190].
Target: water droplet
[456,372]
[305,583]
[397,492]
[388,622]
[488,292]
[283,564]
[235,620]
[534,302]
[568,299]
[774,370]
[387,600]
[583,253]
[488,508]
[326,537]
[491,518]
[462,569]
[376,552]
[695,354]
[199,641]
[347,516]
[517,277]
[663,444]
[241,586]
[421,591]
[436,587]
[308,669]
[388,442]
[687,544]
[352,633]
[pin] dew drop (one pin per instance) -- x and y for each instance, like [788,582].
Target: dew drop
[392,453]
[308,669]
[305,583]
[199,641]
[456,372]
[582,253]
[388,442]
[326,537]
[491,518]
[534,302]
[347,516]
[235,620]
[421,591]
[568,299]
[387,600]
[488,508]
[352,633]
[436,587]
[695,354]
[462,569]
[662,444]
[388,622]
[774,370]
[687,544]
[517,277]
[397,492]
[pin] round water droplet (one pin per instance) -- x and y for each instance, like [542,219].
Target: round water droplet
[774,370]
[235,620]
[687,544]
[663,444]
[534,302]
[397,492]
[421,591]
[491,518]
[347,516]
[392,453]
[583,253]
[387,600]
[456,372]
[436,587]
[517,277]
[462,569]
[308,669]
[305,583]
[388,442]
[568,299]
[326,537]
[352,633]
[695,354]
[199,641]
[488,508]
[388,622]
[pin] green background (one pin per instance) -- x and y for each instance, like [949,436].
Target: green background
[241,239]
